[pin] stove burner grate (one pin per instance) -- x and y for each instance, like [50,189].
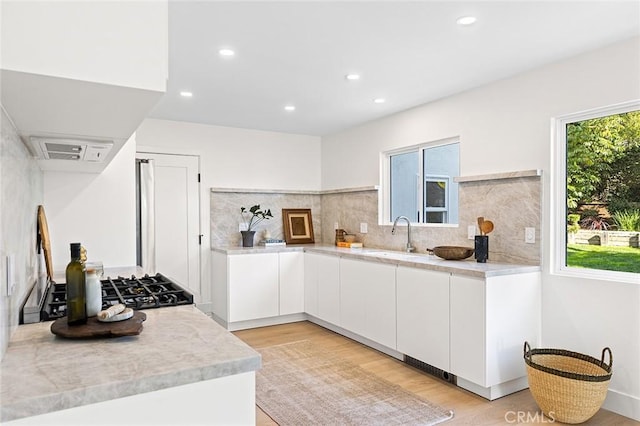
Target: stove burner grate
[148,292]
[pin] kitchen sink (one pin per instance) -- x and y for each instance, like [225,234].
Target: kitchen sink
[397,255]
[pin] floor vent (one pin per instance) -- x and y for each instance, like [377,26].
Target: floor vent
[430,369]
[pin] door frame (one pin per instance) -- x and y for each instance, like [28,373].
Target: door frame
[203,218]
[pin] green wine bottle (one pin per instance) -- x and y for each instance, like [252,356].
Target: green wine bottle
[76,295]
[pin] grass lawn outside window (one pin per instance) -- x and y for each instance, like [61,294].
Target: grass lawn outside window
[609,258]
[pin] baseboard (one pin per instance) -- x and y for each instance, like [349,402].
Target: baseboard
[495,391]
[623,404]
[264,322]
[356,337]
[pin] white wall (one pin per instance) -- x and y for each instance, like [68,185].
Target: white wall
[506,126]
[97,210]
[240,158]
[507,120]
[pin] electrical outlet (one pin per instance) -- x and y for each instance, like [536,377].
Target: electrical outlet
[242,227]
[471,232]
[530,235]
[336,225]
[364,228]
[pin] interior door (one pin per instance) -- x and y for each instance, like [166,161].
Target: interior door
[177,218]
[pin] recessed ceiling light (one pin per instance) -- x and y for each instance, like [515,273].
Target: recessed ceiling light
[352,77]
[186,94]
[226,52]
[466,20]
[379,100]
[290,107]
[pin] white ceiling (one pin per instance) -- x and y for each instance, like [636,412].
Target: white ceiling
[409,53]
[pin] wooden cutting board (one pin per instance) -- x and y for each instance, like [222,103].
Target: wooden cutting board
[95,329]
[43,232]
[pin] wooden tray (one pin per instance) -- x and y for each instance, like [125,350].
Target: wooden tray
[94,328]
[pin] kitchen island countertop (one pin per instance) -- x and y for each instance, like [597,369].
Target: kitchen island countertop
[42,373]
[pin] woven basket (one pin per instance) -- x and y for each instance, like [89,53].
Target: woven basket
[569,387]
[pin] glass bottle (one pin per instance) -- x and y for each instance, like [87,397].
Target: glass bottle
[93,293]
[76,288]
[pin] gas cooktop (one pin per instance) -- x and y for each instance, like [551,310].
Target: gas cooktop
[147,292]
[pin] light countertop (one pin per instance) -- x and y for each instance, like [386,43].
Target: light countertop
[467,267]
[41,373]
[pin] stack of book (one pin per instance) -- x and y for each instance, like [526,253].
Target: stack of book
[272,242]
[349,245]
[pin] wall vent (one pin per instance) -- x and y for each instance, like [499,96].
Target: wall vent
[430,369]
[49,148]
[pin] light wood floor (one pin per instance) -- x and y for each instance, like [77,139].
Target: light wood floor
[469,408]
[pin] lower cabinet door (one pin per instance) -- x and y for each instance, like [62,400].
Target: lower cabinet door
[291,277]
[329,289]
[311,283]
[468,333]
[253,286]
[367,300]
[423,315]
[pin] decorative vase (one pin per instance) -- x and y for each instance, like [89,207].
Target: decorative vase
[247,238]
[482,248]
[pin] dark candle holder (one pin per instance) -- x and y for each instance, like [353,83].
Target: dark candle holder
[482,248]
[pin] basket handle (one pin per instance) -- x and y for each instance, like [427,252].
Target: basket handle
[527,351]
[607,350]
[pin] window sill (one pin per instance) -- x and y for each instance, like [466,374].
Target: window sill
[599,275]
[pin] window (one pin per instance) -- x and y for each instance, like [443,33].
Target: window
[436,197]
[418,183]
[598,192]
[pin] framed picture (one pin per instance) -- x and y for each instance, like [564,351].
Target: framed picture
[298,226]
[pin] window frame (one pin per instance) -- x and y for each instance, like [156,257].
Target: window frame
[558,203]
[384,199]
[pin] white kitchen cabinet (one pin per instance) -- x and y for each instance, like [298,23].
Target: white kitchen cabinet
[291,282]
[251,288]
[234,404]
[490,319]
[322,287]
[423,315]
[469,326]
[368,300]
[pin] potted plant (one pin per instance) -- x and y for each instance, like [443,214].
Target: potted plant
[252,217]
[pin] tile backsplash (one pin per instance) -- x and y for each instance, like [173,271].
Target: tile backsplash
[511,201]
[21,183]
[226,218]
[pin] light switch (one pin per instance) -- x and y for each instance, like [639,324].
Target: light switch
[364,228]
[530,235]
[471,232]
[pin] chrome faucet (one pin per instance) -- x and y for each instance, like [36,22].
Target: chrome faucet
[410,248]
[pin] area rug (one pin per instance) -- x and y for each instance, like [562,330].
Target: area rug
[302,384]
